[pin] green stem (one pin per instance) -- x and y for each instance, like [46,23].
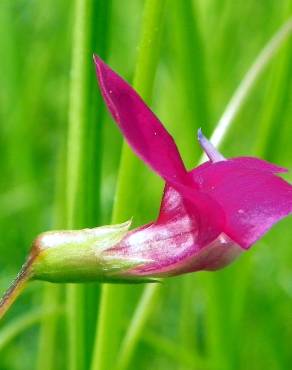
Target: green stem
[15,288]
[75,181]
[77,108]
[106,345]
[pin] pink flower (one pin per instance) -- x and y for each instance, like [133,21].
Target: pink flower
[209,215]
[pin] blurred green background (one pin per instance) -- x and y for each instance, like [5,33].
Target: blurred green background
[237,318]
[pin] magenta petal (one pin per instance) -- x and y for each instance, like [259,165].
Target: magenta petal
[204,211]
[248,162]
[258,164]
[214,256]
[162,243]
[170,246]
[139,125]
[252,197]
[153,144]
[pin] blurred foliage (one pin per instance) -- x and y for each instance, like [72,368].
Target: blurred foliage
[232,319]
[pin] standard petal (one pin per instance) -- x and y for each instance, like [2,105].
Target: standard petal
[140,127]
[252,197]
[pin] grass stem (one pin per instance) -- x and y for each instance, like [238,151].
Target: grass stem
[106,347]
[78,101]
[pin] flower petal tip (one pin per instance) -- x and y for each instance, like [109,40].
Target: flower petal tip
[100,67]
[97,59]
[140,127]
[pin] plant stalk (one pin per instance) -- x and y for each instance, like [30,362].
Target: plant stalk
[78,101]
[16,287]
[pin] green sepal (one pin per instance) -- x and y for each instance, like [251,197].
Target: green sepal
[75,256]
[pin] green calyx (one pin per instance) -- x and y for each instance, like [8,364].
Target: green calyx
[73,256]
[76,256]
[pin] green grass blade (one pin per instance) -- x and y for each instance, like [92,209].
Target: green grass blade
[248,82]
[190,67]
[78,114]
[143,311]
[107,330]
[182,356]
[47,343]
[22,323]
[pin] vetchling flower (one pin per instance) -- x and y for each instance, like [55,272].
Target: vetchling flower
[208,216]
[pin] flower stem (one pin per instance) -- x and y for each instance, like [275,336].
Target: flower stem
[107,335]
[15,288]
[75,161]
